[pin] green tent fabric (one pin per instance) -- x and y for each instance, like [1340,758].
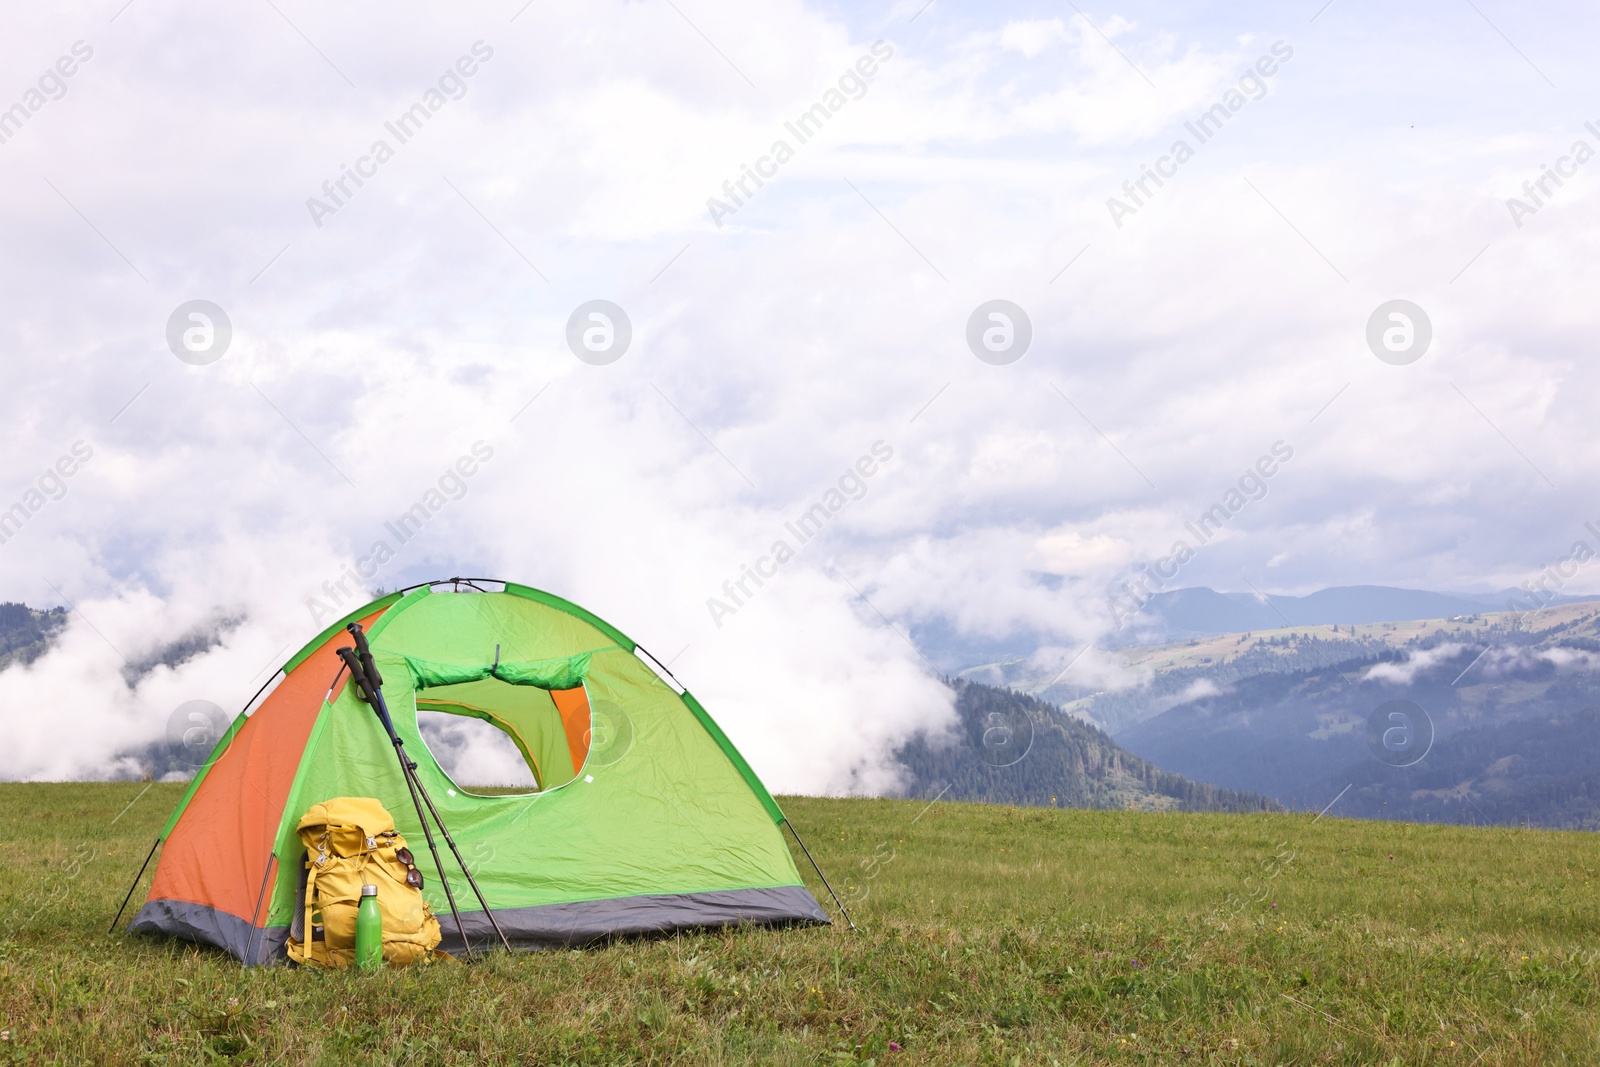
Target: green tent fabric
[646,817]
[566,672]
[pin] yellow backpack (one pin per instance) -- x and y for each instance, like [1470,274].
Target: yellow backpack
[351,841]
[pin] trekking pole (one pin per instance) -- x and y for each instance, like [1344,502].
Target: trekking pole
[359,675]
[375,681]
[410,769]
[448,840]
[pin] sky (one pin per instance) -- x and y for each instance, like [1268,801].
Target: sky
[1218,339]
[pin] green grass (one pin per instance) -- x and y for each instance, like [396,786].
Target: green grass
[987,935]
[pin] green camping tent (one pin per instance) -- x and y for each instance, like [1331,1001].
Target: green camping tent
[645,817]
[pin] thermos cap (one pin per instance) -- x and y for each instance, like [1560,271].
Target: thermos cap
[369,890]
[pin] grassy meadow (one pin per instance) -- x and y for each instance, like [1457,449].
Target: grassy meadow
[987,935]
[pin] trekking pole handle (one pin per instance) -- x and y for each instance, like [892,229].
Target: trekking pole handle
[365,652]
[353,665]
[358,674]
[371,693]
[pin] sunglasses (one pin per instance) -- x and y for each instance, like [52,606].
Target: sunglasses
[413,876]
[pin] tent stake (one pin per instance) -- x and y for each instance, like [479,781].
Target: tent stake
[134,886]
[824,877]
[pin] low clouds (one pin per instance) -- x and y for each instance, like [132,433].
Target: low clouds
[1404,672]
[1456,661]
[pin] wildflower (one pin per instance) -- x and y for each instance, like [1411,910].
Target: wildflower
[894,1046]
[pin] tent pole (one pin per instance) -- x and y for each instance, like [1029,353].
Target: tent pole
[148,856]
[255,916]
[824,877]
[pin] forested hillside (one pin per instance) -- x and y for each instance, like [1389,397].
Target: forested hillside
[1014,749]
[25,633]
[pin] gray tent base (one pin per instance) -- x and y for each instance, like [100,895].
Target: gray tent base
[563,925]
[206,925]
[541,927]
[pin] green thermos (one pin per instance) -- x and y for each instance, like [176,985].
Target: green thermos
[369,931]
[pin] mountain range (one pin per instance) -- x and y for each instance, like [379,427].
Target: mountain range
[1202,612]
[1180,614]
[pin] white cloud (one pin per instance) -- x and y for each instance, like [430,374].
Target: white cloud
[1571,658]
[1068,551]
[1032,36]
[1404,672]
